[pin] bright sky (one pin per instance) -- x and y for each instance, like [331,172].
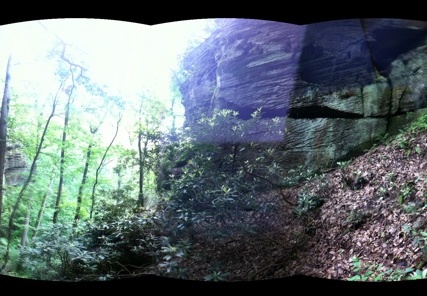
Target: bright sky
[130,58]
[124,55]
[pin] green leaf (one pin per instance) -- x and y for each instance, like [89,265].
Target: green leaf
[379,277]
[355,278]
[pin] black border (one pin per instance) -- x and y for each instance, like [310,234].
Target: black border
[293,16]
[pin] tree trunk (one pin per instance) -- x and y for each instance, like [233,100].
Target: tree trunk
[142,151]
[233,162]
[24,236]
[64,133]
[62,163]
[140,202]
[27,182]
[99,167]
[41,210]
[3,133]
[82,184]
[26,227]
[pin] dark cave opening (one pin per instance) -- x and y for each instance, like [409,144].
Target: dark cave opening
[312,112]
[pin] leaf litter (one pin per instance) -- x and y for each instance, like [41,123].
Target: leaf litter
[374,210]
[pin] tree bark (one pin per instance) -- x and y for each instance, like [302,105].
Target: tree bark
[82,184]
[3,133]
[26,227]
[142,151]
[41,210]
[64,133]
[100,166]
[62,163]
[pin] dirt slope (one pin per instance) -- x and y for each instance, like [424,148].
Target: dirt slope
[374,209]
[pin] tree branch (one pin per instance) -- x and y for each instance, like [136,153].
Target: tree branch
[271,183]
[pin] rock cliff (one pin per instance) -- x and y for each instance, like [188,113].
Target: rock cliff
[16,165]
[335,86]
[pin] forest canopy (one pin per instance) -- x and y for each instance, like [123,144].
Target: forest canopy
[88,105]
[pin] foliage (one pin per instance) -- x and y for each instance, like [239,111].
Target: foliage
[307,202]
[119,235]
[172,258]
[356,218]
[210,177]
[14,254]
[53,256]
[343,164]
[419,124]
[114,203]
[406,137]
[217,276]
[205,194]
[126,243]
[418,274]
[100,250]
[298,175]
[405,192]
[376,272]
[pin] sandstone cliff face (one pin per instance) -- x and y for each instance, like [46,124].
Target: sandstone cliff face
[335,86]
[16,165]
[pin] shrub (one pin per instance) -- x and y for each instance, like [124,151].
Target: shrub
[307,202]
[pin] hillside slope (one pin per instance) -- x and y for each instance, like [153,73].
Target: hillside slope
[375,212]
[370,223]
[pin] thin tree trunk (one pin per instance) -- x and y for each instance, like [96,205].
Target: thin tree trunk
[233,162]
[64,133]
[27,182]
[3,133]
[82,184]
[119,180]
[62,162]
[26,226]
[99,167]
[24,236]
[41,210]
[140,202]
[142,151]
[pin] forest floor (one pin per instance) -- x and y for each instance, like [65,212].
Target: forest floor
[372,224]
